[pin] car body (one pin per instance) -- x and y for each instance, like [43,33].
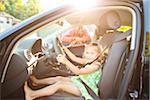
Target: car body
[38,34]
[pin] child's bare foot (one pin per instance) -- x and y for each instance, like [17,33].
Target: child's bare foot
[34,80]
[28,92]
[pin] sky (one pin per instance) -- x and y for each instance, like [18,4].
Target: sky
[46,4]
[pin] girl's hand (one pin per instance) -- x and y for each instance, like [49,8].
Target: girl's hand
[61,58]
[65,48]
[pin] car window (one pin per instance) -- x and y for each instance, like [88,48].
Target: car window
[57,27]
[146,28]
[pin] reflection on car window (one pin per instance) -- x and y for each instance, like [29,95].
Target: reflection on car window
[53,28]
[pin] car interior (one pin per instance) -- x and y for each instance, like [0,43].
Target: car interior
[35,54]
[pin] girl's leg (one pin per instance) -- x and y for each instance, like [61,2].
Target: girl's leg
[50,80]
[50,90]
[70,87]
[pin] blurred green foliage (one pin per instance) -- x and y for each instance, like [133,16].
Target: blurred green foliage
[2,6]
[19,9]
[147,46]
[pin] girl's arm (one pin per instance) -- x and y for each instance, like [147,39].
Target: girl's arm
[88,68]
[74,58]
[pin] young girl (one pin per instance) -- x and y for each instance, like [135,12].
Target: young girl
[90,75]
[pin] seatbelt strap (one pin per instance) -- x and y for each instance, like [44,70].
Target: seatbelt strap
[90,91]
[108,39]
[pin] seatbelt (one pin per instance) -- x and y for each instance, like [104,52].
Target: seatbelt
[90,91]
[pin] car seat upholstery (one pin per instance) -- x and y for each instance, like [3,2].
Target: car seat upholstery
[15,77]
[111,67]
[115,63]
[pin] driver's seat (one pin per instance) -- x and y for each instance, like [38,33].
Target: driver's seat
[115,64]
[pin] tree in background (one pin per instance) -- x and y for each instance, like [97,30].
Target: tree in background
[22,10]
[2,5]
[33,7]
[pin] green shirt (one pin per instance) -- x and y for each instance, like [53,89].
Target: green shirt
[90,80]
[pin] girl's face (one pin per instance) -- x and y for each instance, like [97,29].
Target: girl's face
[91,52]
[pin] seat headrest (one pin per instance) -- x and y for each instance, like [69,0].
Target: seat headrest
[110,20]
